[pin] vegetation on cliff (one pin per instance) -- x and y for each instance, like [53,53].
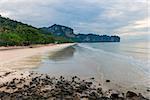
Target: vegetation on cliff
[17,33]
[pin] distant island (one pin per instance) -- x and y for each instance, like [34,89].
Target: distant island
[60,30]
[14,33]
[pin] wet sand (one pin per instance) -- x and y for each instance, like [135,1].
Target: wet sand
[11,57]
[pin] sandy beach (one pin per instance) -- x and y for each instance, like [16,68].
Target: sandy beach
[10,56]
[16,84]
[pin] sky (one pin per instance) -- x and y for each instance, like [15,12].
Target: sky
[126,18]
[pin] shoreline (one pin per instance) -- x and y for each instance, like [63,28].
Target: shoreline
[12,56]
[2,48]
[12,59]
[5,48]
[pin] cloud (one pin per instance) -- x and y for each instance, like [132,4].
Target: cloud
[135,28]
[34,12]
[122,17]
[142,23]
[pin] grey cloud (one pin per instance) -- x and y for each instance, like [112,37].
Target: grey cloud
[85,16]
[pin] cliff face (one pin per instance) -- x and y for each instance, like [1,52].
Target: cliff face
[96,38]
[59,30]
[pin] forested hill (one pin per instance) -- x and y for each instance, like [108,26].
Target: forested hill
[17,33]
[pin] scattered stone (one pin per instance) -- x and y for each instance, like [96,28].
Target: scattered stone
[130,94]
[44,87]
[148,90]
[92,78]
[114,96]
[7,73]
[107,80]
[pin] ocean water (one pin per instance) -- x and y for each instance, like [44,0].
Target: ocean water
[126,65]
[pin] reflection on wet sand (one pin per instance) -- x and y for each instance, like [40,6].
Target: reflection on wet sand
[34,61]
[62,55]
[29,62]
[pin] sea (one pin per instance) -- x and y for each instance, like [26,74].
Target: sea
[125,64]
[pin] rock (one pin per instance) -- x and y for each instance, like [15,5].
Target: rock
[130,94]
[148,90]
[44,87]
[141,97]
[107,80]
[99,90]
[83,95]
[77,97]
[93,96]
[105,98]
[92,78]
[7,73]
[83,87]
[114,96]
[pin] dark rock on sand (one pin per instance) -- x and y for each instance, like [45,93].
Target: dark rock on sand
[148,90]
[133,96]
[43,87]
[107,80]
[130,94]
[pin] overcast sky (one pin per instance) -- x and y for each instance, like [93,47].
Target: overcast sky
[121,17]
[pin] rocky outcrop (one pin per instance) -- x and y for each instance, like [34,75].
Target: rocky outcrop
[59,30]
[96,38]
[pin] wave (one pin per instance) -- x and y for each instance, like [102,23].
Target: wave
[142,65]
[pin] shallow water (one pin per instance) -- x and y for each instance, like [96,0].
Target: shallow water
[126,65]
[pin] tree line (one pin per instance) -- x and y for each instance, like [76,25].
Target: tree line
[16,33]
